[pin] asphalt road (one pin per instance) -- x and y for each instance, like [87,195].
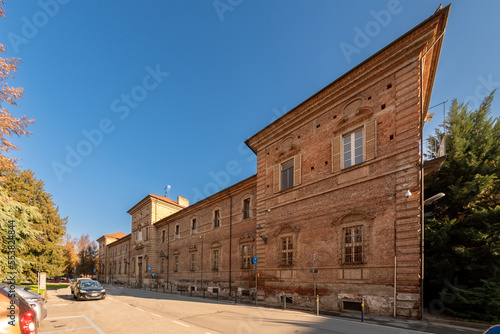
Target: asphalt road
[137,311]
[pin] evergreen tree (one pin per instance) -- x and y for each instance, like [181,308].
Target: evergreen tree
[47,251]
[16,233]
[463,238]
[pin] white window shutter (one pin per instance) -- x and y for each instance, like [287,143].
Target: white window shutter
[371,139]
[336,161]
[276,178]
[297,170]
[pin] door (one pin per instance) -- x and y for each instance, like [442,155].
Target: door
[139,262]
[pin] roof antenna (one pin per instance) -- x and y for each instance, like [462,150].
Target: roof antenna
[439,8]
[167,188]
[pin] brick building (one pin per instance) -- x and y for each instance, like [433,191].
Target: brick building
[331,193]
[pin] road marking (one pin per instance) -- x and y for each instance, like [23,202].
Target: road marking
[112,299]
[65,330]
[180,323]
[77,316]
[140,309]
[159,316]
[58,304]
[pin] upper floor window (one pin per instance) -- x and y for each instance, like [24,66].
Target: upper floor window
[246,208]
[163,236]
[353,245]
[287,175]
[147,233]
[217,218]
[139,236]
[353,148]
[177,231]
[193,226]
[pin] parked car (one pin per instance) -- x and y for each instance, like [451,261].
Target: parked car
[36,302]
[73,282]
[15,310]
[89,289]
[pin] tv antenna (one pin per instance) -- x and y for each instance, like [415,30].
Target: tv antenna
[167,188]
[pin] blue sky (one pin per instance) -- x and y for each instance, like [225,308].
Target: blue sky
[157,93]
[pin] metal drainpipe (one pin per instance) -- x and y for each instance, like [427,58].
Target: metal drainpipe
[422,175]
[230,236]
[168,252]
[395,271]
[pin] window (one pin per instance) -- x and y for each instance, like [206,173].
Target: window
[353,245]
[287,175]
[353,148]
[216,218]
[177,231]
[286,251]
[147,233]
[193,226]
[162,263]
[246,208]
[215,259]
[192,262]
[125,266]
[246,256]
[140,235]
[163,236]
[176,263]
[147,265]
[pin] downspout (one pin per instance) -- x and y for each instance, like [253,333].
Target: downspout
[168,252]
[230,237]
[422,174]
[395,270]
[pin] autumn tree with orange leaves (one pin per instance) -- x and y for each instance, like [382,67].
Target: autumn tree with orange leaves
[9,125]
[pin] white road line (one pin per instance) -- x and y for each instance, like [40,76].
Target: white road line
[58,304]
[65,330]
[180,323]
[78,316]
[140,309]
[159,316]
[112,299]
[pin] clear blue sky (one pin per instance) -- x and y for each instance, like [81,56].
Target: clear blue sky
[219,75]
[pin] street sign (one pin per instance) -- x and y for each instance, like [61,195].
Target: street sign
[153,274]
[254,260]
[149,267]
[95,270]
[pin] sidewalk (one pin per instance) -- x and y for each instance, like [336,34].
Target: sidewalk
[430,324]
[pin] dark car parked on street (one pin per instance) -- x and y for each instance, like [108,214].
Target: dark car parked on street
[89,289]
[16,315]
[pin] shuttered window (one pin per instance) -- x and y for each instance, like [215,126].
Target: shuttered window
[287,174]
[354,147]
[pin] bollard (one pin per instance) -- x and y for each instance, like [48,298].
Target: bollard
[236,296]
[191,289]
[217,294]
[163,288]
[362,310]
[284,302]
[203,293]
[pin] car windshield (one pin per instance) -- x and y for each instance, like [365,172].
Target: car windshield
[91,284]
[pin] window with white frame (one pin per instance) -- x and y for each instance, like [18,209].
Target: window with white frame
[353,148]
[353,245]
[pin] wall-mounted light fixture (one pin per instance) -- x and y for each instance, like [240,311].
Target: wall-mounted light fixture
[258,233]
[408,193]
